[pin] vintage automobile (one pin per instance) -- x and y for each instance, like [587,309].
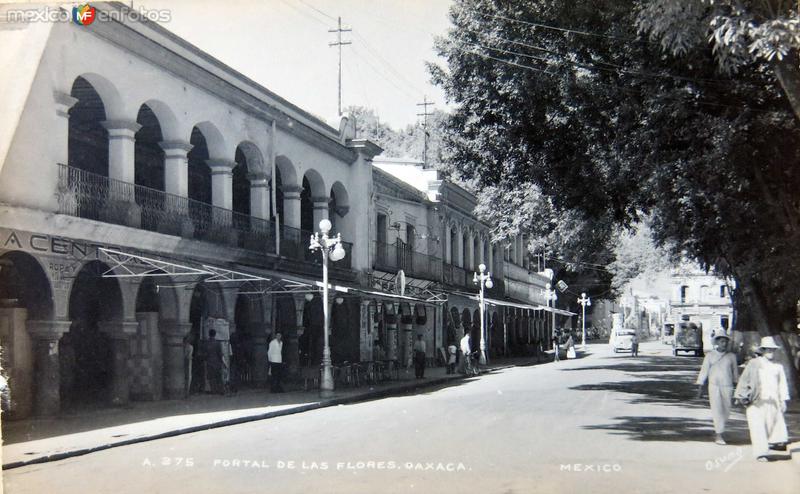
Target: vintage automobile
[668,333]
[621,340]
[688,338]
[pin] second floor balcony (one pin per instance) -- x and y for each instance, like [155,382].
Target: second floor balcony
[397,256]
[92,196]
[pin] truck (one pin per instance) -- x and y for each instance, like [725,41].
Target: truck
[688,339]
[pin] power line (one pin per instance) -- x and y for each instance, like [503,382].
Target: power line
[317,10]
[386,63]
[628,90]
[555,28]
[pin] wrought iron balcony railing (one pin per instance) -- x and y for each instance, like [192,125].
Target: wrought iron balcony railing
[92,196]
[89,195]
[397,256]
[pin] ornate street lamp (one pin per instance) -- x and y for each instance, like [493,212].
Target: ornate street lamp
[331,248]
[585,302]
[483,280]
[551,296]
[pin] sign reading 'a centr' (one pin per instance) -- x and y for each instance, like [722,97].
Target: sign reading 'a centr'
[41,243]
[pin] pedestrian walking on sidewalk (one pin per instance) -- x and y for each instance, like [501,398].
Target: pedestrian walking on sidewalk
[419,357]
[556,349]
[635,345]
[214,363]
[720,372]
[764,391]
[275,356]
[571,348]
[452,351]
[466,351]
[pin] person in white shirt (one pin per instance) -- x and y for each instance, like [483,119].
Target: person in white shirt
[452,351]
[275,357]
[419,357]
[466,353]
[764,390]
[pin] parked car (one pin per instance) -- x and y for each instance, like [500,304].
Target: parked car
[688,338]
[621,340]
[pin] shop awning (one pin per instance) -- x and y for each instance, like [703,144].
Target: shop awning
[519,305]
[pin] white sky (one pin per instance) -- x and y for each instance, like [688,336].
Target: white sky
[283,45]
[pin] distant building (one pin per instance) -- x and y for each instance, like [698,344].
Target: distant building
[702,298]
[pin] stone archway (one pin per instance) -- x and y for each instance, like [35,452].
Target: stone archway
[86,357]
[25,295]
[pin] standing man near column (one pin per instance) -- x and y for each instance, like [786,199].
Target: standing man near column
[275,356]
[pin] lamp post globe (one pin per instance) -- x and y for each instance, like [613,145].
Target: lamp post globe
[325,225]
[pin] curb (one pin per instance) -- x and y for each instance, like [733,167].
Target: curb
[367,396]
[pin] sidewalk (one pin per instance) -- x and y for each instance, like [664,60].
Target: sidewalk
[40,440]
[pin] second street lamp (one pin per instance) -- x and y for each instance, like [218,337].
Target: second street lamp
[331,248]
[585,302]
[551,296]
[483,280]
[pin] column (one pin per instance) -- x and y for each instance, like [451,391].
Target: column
[459,250]
[221,182]
[176,167]
[121,140]
[391,333]
[470,250]
[321,209]
[448,246]
[176,219]
[47,376]
[291,205]
[260,342]
[121,206]
[292,344]
[259,195]
[490,264]
[407,342]
[120,333]
[63,103]
[172,334]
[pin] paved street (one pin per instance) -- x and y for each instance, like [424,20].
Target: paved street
[607,421]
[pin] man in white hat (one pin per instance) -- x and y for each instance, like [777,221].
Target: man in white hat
[721,372]
[764,390]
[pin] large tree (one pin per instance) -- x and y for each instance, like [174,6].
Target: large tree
[571,98]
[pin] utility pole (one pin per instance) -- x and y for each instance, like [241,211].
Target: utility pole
[425,114]
[339,43]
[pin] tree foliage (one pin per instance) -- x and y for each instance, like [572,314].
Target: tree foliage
[608,127]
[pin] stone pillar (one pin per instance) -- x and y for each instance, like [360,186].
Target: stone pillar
[259,195]
[292,344]
[176,167]
[221,182]
[47,376]
[459,250]
[490,264]
[176,183]
[119,332]
[391,334]
[448,245]
[407,335]
[173,333]
[470,253]
[63,103]
[121,140]
[291,205]
[260,341]
[321,210]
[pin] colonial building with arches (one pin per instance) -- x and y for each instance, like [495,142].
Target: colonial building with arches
[131,140]
[150,193]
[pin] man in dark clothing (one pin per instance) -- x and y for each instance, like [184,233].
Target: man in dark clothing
[419,357]
[214,363]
